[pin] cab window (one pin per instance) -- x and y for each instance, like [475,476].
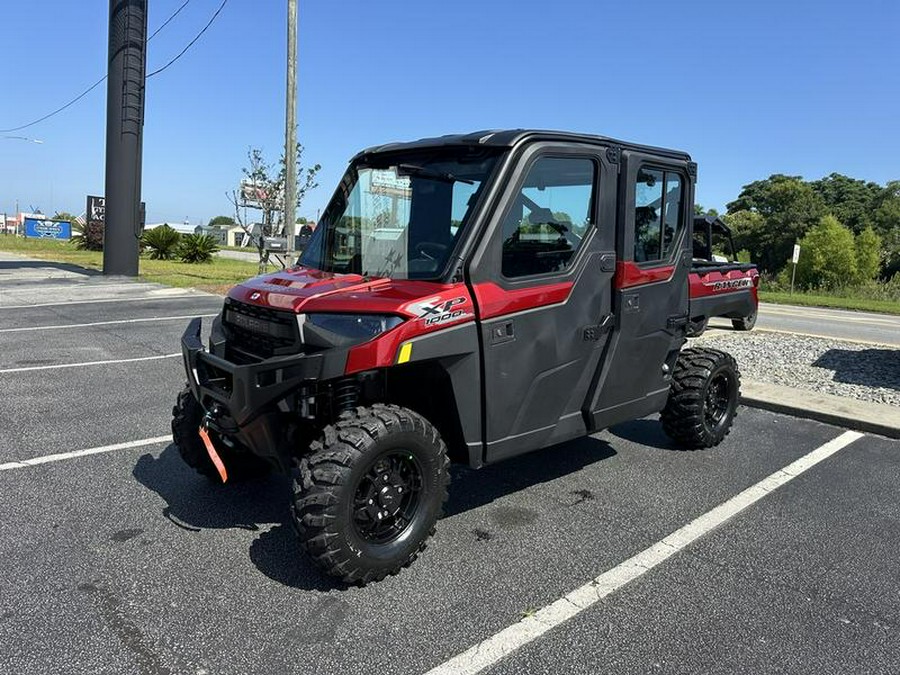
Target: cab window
[549,217]
[658,218]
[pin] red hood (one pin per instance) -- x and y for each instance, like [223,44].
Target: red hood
[303,289]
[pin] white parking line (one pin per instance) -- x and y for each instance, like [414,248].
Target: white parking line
[34,461]
[89,363]
[490,651]
[104,323]
[179,296]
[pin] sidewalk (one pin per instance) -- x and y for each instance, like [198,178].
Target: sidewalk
[869,417]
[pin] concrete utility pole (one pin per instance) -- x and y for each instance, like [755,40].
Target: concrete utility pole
[290,134]
[124,135]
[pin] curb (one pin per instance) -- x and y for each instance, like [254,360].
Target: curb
[874,418]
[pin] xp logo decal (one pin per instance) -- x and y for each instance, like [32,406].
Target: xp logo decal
[437,311]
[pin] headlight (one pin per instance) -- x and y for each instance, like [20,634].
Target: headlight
[340,330]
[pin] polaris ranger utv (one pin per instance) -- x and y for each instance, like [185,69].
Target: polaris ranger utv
[465,298]
[719,284]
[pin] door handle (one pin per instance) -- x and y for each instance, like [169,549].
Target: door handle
[595,332]
[502,332]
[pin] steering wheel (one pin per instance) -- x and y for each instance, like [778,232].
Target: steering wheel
[436,248]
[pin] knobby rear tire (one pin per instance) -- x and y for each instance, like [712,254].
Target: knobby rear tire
[747,323]
[703,398]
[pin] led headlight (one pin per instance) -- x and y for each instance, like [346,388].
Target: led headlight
[340,330]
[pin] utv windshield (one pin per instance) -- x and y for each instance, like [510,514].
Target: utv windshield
[400,215]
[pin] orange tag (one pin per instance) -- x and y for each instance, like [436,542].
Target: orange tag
[213,455]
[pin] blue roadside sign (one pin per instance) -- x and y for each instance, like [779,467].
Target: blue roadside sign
[48,229]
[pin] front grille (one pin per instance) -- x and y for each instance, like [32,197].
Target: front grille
[259,332]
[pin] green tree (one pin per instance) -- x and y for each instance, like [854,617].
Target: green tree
[747,231]
[827,256]
[850,200]
[221,221]
[868,254]
[886,222]
[267,180]
[699,210]
[789,207]
[64,215]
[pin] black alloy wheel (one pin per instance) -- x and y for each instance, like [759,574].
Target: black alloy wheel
[703,398]
[718,400]
[746,323]
[388,497]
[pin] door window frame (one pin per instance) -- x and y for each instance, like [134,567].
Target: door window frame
[531,156]
[678,241]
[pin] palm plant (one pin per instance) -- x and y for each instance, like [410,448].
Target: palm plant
[88,237]
[162,241]
[197,248]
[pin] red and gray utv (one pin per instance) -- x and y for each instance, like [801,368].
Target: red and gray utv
[465,299]
[720,284]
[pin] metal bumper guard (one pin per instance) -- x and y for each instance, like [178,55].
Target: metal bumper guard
[245,390]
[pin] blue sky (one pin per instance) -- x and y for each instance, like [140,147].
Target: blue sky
[748,88]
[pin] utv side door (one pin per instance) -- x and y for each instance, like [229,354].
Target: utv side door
[650,289]
[541,277]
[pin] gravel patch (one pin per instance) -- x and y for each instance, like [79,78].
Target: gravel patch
[859,371]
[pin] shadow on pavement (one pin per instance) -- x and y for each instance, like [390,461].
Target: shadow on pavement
[647,432]
[867,367]
[473,488]
[44,264]
[194,503]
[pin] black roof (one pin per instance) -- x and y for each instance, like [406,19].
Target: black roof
[510,137]
[715,222]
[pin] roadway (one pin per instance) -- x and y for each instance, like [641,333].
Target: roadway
[841,324]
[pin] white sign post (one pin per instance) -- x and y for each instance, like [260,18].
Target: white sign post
[794,258]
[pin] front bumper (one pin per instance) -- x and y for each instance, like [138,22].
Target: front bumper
[247,390]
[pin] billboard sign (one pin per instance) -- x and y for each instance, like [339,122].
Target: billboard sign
[255,194]
[96,210]
[48,229]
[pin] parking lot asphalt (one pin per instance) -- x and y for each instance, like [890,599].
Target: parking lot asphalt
[127,562]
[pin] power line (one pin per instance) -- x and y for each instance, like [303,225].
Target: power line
[191,43]
[103,79]
[166,22]
[60,109]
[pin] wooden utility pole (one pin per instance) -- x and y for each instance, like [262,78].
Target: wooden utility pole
[290,134]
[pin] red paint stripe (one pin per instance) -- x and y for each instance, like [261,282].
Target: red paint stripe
[494,301]
[629,275]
